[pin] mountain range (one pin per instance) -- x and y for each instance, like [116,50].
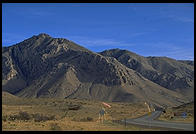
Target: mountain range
[47,67]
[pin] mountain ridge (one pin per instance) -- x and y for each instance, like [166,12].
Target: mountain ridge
[151,65]
[42,66]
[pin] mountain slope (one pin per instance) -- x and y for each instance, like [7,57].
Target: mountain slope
[42,66]
[169,73]
[188,62]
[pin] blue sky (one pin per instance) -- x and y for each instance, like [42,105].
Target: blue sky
[151,29]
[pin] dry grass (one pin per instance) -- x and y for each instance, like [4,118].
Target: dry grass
[72,114]
[66,124]
[83,117]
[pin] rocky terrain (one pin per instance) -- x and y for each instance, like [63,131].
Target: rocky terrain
[46,67]
[169,73]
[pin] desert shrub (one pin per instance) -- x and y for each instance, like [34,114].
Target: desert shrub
[54,126]
[20,116]
[12,117]
[74,107]
[34,115]
[87,119]
[24,116]
[39,117]
[52,117]
[4,118]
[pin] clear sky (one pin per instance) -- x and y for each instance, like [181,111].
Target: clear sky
[151,29]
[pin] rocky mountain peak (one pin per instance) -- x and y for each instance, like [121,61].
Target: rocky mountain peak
[43,35]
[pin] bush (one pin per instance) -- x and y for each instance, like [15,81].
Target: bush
[12,117]
[20,116]
[87,119]
[54,126]
[4,118]
[39,117]
[24,116]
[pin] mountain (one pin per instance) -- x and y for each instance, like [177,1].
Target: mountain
[188,62]
[166,72]
[42,66]
[9,98]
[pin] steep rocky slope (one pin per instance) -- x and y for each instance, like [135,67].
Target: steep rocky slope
[188,62]
[169,73]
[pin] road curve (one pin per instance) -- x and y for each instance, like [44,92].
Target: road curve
[149,120]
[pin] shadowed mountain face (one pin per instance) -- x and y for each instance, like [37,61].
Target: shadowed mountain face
[42,66]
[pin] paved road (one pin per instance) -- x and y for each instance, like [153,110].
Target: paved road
[149,120]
